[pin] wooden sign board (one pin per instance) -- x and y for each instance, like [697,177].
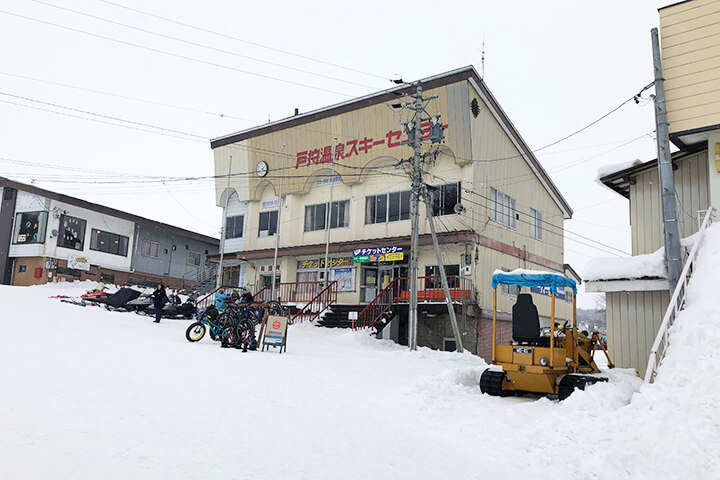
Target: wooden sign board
[275,332]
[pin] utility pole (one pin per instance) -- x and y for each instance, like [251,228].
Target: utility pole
[223,234]
[665,171]
[328,216]
[414,214]
[443,276]
[277,228]
[414,131]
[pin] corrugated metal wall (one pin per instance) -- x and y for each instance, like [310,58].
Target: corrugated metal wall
[691,187]
[633,320]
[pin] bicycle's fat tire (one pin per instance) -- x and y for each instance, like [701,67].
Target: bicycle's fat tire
[276,308]
[189,333]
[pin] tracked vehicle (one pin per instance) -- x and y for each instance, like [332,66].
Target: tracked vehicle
[555,361]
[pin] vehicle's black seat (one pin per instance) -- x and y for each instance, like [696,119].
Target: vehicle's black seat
[525,320]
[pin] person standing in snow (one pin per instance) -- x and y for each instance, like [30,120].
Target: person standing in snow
[159,299]
[220,298]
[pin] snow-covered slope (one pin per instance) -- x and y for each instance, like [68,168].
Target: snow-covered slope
[90,394]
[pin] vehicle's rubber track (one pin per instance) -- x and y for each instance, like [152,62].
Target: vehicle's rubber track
[569,383]
[491,383]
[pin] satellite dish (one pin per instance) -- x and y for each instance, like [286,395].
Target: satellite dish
[54,233]
[459,208]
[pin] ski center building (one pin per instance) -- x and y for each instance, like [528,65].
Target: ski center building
[346,167]
[46,236]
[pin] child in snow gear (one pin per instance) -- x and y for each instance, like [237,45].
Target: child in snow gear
[220,299]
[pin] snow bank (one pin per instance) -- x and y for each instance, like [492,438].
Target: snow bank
[92,394]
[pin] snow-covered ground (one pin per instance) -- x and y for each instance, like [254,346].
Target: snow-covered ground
[91,394]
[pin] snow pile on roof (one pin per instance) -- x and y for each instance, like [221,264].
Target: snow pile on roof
[648,266]
[651,265]
[523,271]
[606,170]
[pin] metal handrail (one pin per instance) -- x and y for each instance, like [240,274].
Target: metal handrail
[429,288]
[677,303]
[322,300]
[290,291]
[380,304]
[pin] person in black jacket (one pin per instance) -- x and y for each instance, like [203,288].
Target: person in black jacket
[159,300]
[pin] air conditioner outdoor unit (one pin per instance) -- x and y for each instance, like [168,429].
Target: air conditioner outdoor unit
[467,270]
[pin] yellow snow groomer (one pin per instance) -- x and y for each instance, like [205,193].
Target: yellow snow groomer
[555,361]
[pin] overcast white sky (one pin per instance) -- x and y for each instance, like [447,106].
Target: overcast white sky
[553,66]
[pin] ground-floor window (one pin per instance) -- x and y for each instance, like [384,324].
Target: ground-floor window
[451,271]
[341,271]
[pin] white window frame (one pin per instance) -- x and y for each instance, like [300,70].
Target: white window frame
[502,208]
[266,232]
[373,199]
[232,233]
[536,228]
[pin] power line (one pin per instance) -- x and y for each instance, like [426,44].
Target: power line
[176,55]
[559,228]
[201,45]
[125,97]
[634,97]
[243,41]
[98,121]
[146,125]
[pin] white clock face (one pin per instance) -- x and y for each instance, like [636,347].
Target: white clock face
[262,169]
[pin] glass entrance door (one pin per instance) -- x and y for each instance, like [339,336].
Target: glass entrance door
[385,276]
[369,285]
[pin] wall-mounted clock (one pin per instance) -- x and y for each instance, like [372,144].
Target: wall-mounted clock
[262,169]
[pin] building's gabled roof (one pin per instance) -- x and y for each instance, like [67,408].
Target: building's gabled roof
[23,187]
[620,180]
[467,73]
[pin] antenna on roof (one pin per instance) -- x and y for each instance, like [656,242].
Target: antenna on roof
[482,62]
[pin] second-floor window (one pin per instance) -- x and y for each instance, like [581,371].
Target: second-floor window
[445,197]
[316,215]
[536,226]
[194,258]
[150,249]
[267,223]
[387,207]
[235,226]
[109,242]
[502,208]
[71,232]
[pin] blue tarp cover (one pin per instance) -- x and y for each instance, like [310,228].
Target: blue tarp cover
[534,280]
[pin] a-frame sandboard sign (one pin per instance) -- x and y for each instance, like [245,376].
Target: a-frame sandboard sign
[274,332]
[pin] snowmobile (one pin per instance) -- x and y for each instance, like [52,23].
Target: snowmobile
[140,304]
[184,310]
[556,362]
[119,299]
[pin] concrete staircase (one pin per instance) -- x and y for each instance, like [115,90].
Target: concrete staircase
[337,316]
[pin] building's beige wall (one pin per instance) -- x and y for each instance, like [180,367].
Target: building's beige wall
[499,164]
[691,188]
[633,320]
[477,152]
[690,38]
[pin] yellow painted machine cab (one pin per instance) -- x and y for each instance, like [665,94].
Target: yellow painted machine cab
[555,361]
